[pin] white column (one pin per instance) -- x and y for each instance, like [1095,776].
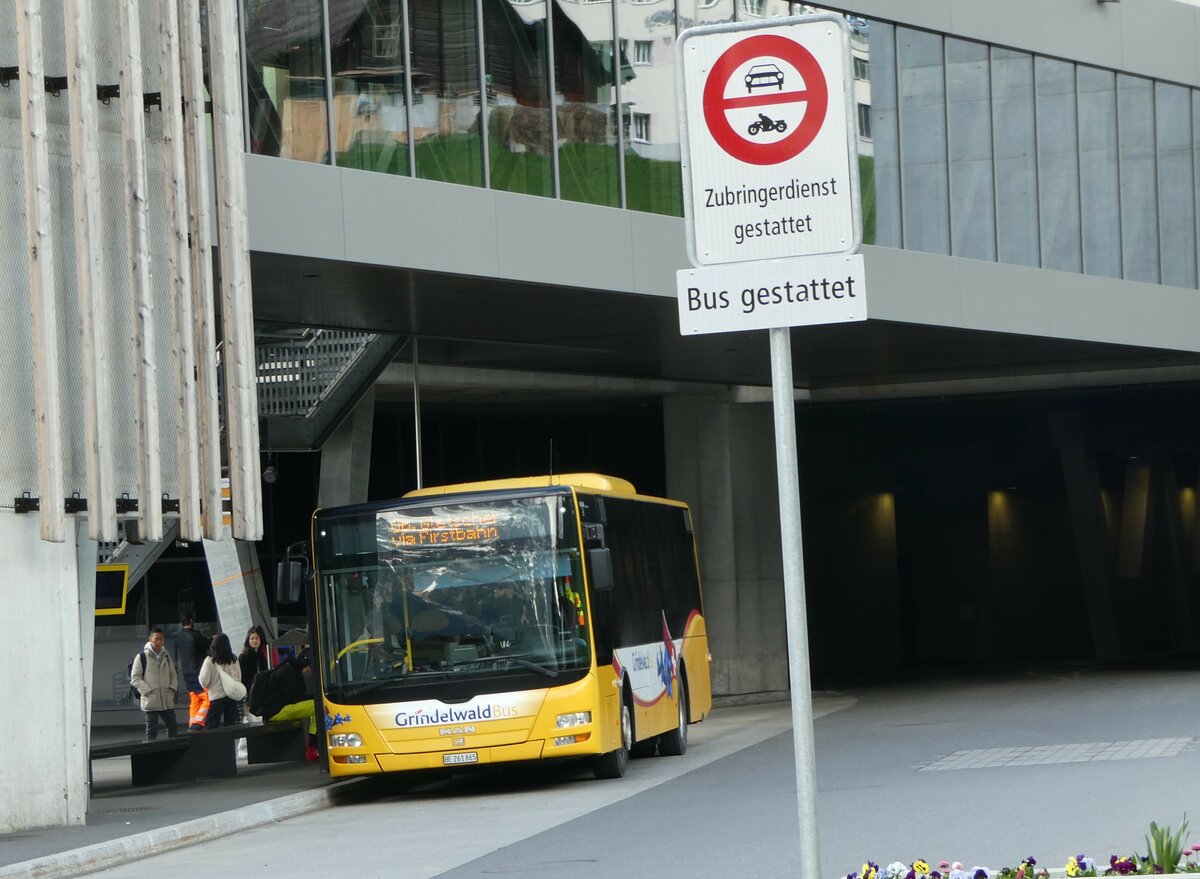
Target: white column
[179,271]
[43,299]
[199,196]
[89,273]
[137,217]
[233,237]
[44,761]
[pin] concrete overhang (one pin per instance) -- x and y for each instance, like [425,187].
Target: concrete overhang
[493,280]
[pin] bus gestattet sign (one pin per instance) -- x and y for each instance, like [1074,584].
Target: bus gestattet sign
[770,161]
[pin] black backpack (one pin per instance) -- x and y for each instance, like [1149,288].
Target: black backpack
[134,695]
[257,698]
[275,688]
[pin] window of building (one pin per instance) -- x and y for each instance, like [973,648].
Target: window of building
[641,127]
[752,8]
[864,121]
[642,50]
[387,41]
[861,69]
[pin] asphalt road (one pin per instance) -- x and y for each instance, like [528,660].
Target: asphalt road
[985,771]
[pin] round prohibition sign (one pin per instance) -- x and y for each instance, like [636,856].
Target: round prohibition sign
[814,95]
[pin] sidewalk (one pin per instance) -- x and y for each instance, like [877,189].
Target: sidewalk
[125,823]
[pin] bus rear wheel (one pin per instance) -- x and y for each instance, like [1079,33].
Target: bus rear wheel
[614,763]
[674,743]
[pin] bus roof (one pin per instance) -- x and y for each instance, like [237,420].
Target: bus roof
[586,481]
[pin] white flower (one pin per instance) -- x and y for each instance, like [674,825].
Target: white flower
[896,870]
[960,873]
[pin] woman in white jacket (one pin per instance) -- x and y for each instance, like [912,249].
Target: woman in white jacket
[224,709]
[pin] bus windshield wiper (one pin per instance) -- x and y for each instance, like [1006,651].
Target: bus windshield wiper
[516,660]
[410,678]
[366,686]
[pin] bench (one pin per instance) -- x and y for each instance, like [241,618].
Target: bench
[160,760]
[210,753]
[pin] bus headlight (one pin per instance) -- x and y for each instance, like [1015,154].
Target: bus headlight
[345,740]
[577,718]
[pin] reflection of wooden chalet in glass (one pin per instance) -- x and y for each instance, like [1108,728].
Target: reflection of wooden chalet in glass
[372,123]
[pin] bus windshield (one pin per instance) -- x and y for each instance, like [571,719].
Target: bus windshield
[425,592]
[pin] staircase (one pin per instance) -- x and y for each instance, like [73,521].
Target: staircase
[309,380]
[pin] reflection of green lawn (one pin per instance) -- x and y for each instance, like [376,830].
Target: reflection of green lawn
[866,183]
[588,173]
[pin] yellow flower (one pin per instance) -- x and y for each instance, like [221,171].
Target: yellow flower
[868,871]
[1072,866]
[921,868]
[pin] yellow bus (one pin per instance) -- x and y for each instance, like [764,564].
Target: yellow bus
[511,620]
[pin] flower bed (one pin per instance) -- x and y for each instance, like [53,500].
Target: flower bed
[1165,857]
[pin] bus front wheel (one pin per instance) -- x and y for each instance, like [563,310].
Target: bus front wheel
[674,743]
[614,763]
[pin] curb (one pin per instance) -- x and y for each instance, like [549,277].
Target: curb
[103,855]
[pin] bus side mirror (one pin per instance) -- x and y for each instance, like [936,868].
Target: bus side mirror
[289,581]
[600,562]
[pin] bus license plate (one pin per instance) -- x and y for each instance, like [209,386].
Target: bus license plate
[455,759]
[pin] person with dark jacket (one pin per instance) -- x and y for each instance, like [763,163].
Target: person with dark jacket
[191,648]
[280,687]
[154,676]
[253,658]
[283,693]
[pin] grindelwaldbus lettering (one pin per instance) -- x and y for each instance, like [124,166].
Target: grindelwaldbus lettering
[439,716]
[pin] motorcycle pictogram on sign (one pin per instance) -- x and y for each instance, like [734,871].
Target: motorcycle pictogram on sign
[808,102]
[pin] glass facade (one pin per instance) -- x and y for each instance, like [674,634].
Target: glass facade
[285,79]
[585,91]
[965,148]
[572,99]
[989,153]
[371,119]
[517,64]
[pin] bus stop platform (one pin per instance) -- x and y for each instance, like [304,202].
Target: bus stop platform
[126,823]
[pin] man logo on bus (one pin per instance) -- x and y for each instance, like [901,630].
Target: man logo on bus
[668,660]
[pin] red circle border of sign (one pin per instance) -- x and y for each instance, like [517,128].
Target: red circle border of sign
[714,98]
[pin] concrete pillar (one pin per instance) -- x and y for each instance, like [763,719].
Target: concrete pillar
[238,589]
[346,457]
[46,632]
[721,460]
[1092,544]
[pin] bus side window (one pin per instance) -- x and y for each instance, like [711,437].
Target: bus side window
[602,636]
[592,516]
[600,562]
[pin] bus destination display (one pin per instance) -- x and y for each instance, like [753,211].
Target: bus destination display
[475,528]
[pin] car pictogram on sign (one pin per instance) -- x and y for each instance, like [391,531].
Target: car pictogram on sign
[764,76]
[793,117]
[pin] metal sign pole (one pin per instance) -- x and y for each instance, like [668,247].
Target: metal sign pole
[793,594]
